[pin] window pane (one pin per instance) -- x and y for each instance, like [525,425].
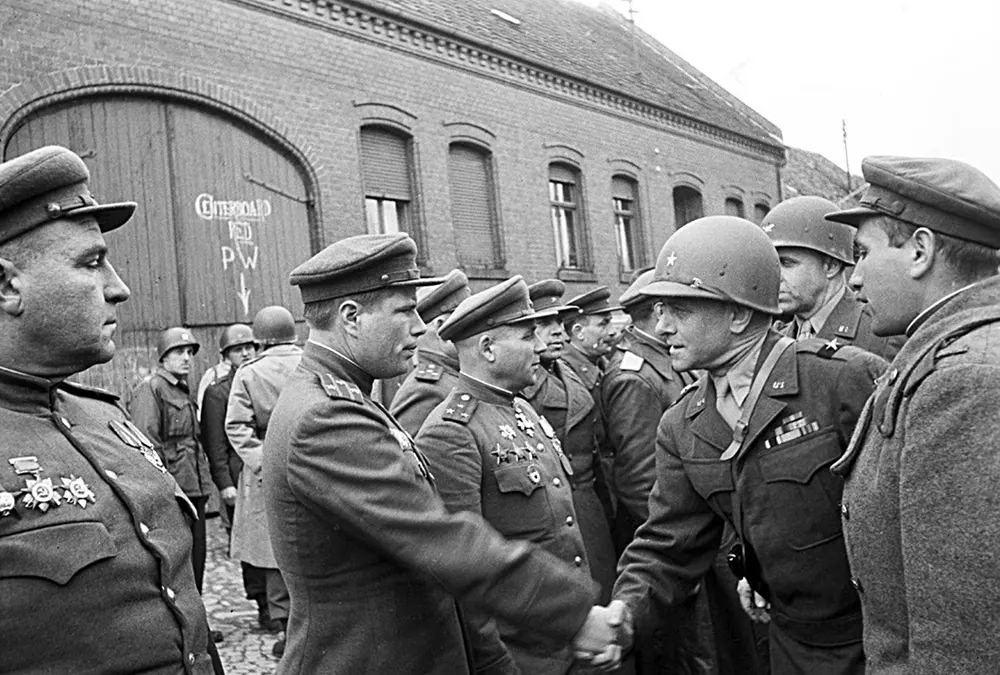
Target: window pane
[759,211]
[687,205]
[734,207]
[373,216]
[625,241]
[392,212]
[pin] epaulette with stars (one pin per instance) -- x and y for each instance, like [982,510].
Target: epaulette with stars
[459,407]
[827,349]
[340,389]
[428,372]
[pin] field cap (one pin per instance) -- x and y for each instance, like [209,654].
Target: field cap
[501,305]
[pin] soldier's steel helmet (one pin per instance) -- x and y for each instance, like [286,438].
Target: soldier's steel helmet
[801,222]
[719,258]
[274,325]
[236,335]
[173,338]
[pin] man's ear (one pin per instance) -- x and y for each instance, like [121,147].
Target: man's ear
[740,318]
[485,346]
[10,288]
[923,245]
[349,313]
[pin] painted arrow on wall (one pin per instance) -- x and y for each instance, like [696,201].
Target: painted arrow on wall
[244,295]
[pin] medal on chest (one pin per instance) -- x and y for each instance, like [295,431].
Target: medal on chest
[132,437]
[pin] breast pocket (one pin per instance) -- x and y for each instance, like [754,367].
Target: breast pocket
[56,552]
[178,419]
[713,480]
[522,505]
[799,482]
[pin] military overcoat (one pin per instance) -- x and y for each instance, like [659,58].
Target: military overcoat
[921,505]
[95,551]
[372,559]
[426,385]
[778,494]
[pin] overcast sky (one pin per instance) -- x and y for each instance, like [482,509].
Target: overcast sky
[910,77]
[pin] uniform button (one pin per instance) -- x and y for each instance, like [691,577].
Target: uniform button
[111,474]
[144,528]
[170,592]
[569,521]
[65,422]
[556,482]
[845,512]
[578,561]
[857,585]
[191,658]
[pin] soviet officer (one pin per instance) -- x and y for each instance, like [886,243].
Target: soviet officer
[920,504]
[589,336]
[814,254]
[436,371]
[559,396]
[372,559]
[95,571]
[164,410]
[493,455]
[750,445]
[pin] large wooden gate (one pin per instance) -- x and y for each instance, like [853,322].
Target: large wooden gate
[224,214]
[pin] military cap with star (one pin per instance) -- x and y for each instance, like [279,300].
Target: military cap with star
[546,296]
[943,195]
[595,301]
[501,305]
[437,300]
[48,184]
[366,262]
[633,294]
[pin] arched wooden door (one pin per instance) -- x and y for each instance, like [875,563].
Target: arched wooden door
[224,215]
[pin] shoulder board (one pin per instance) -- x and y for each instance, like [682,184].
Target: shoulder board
[459,407]
[88,392]
[428,372]
[828,349]
[340,389]
[631,361]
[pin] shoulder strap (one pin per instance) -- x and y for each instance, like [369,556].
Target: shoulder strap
[763,375]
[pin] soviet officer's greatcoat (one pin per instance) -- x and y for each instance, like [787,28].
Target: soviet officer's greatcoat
[560,397]
[372,559]
[427,385]
[493,455]
[778,494]
[922,504]
[95,550]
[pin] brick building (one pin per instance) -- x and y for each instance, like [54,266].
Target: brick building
[540,137]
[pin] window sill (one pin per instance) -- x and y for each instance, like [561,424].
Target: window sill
[570,274]
[490,274]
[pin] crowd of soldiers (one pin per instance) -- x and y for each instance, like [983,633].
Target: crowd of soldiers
[785,464]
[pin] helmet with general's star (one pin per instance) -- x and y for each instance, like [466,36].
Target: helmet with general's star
[800,222]
[719,258]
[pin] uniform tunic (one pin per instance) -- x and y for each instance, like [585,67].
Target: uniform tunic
[372,558]
[850,323]
[224,464]
[256,386]
[100,581]
[921,507]
[493,455]
[560,397]
[163,409]
[427,385]
[777,493]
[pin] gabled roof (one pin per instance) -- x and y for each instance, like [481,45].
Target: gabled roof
[596,45]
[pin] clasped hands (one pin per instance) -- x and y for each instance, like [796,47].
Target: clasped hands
[605,636]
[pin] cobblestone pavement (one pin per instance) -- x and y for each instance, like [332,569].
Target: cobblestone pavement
[246,649]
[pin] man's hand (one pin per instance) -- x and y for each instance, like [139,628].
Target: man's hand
[754,605]
[605,636]
[228,495]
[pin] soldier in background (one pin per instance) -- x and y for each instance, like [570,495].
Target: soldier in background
[164,410]
[256,386]
[436,371]
[589,336]
[237,344]
[95,550]
[373,561]
[815,254]
[492,454]
[560,397]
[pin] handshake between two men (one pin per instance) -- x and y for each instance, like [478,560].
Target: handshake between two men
[605,636]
